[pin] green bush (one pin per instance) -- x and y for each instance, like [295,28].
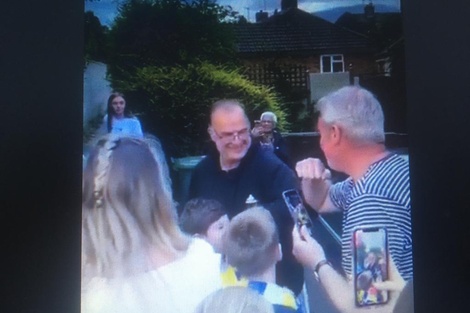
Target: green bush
[174,101]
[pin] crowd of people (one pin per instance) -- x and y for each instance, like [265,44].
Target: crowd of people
[218,255]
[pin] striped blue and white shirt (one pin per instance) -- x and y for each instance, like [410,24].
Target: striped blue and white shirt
[380,198]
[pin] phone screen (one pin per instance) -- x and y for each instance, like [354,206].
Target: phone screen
[370,265]
[297,209]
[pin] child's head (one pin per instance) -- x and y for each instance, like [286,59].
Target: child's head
[205,218]
[235,300]
[251,242]
[364,280]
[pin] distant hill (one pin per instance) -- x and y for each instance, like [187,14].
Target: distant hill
[333,14]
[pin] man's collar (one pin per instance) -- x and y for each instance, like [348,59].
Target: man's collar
[215,154]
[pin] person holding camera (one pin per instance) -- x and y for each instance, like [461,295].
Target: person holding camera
[269,138]
[351,127]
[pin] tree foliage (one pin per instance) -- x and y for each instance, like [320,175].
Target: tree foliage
[177,99]
[95,36]
[172,59]
[169,32]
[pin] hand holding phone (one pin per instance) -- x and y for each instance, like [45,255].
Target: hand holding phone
[370,265]
[256,131]
[297,209]
[305,248]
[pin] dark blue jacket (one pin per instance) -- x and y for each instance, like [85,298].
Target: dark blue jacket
[279,147]
[264,176]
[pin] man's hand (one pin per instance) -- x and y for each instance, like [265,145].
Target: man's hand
[312,168]
[315,184]
[395,281]
[257,131]
[306,249]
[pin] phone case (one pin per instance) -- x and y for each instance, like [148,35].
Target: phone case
[297,209]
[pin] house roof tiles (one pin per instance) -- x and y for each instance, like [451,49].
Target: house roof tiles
[297,32]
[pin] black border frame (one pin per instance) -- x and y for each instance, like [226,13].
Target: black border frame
[41,138]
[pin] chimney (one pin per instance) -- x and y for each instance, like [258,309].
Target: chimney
[261,16]
[288,4]
[369,10]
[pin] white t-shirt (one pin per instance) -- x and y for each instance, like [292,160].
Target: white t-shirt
[124,126]
[177,287]
[127,126]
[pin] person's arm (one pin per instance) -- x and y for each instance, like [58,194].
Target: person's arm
[309,253]
[316,183]
[341,291]
[275,178]
[138,128]
[256,130]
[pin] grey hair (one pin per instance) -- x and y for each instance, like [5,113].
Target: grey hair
[357,111]
[270,114]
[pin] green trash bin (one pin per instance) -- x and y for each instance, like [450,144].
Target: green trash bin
[183,168]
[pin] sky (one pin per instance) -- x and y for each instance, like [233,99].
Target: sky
[106,10]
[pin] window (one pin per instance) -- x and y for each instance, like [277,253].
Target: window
[332,63]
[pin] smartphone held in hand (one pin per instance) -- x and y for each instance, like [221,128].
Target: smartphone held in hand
[297,209]
[370,265]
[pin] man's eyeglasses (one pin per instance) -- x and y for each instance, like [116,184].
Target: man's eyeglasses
[228,137]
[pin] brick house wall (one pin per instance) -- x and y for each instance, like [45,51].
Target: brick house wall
[296,69]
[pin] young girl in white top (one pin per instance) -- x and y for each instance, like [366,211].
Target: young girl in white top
[118,119]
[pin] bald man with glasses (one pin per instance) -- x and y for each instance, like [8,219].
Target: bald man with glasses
[236,169]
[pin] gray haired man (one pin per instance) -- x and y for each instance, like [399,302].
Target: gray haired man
[351,127]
